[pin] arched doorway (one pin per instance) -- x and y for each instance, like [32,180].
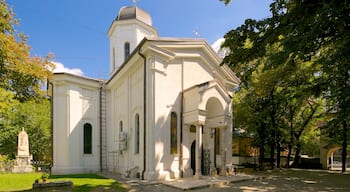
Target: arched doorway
[215,121]
[334,159]
[193,156]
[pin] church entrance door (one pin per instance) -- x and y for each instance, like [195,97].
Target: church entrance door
[193,156]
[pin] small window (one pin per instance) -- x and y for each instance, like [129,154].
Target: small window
[87,138]
[137,133]
[126,50]
[121,126]
[173,133]
[113,58]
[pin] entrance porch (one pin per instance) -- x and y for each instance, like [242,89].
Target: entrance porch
[207,135]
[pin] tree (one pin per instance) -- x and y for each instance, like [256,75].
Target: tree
[34,117]
[22,102]
[8,133]
[308,31]
[20,73]
[249,114]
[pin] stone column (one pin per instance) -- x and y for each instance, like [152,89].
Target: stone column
[199,143]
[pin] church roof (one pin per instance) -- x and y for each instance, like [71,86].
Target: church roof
[133,12]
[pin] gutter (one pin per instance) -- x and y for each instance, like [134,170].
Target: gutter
[51,119]
[101,122]
[181,122]
[144,112]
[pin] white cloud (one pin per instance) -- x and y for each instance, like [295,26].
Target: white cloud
[217,47]
[217,44]
[60,68]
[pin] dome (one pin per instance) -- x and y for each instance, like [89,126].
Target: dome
[133,12]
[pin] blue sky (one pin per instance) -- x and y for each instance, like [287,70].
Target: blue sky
[75,31]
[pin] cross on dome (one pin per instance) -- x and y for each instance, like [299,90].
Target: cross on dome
[135,2]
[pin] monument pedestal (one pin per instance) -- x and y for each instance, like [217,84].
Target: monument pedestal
[23,164]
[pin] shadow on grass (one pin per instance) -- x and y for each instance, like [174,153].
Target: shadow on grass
[78,176]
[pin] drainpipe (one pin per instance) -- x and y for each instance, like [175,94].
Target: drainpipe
[181,121]
[51,119]
[144,112]
[181,132]
[101,121]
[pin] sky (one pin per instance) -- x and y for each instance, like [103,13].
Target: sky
[75,31]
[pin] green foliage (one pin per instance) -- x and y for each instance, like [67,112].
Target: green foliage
[22,103]
[6,164]
[44,176]
[310,142]
[226,1]
[289,65]
[8,131]
[34,117]
[19,72]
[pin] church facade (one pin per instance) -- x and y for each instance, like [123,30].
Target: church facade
[164,113]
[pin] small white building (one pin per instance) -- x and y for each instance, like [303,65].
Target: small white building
[164,113]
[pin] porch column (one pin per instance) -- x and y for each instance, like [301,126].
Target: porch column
[199,130]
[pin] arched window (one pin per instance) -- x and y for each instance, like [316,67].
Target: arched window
[126,50]
[173,133]
[137,133]
[87,138]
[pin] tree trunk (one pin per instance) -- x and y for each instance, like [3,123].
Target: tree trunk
[289,154]
[291,141]
[278,155]
[272,154]
[345,145]
[261,156]
[297,156]
[261,146]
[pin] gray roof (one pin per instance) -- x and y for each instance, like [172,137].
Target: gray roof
[133,12]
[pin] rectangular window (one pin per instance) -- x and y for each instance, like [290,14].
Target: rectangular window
[114,58]
[137,134]
[173,133]
[87,138]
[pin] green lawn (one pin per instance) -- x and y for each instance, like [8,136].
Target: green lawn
[83,182]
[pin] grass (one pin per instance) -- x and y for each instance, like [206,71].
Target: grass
[81,182]
[17,182]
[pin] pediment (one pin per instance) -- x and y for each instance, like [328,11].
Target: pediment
[176,48]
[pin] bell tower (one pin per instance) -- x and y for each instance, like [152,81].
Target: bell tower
[131,25]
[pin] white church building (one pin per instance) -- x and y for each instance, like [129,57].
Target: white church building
[164,113]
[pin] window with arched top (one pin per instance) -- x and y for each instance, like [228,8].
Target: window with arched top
[87,138]
[173,133]
[126,50]
[137,134]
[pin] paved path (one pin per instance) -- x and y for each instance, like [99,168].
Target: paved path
[284,180]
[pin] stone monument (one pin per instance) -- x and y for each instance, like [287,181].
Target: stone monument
[23,158]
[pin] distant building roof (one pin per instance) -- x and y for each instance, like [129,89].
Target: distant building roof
[133,12]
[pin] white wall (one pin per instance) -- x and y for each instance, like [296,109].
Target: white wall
[74,105]
[126,98]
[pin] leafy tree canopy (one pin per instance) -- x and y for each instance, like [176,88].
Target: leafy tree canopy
[20,73]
